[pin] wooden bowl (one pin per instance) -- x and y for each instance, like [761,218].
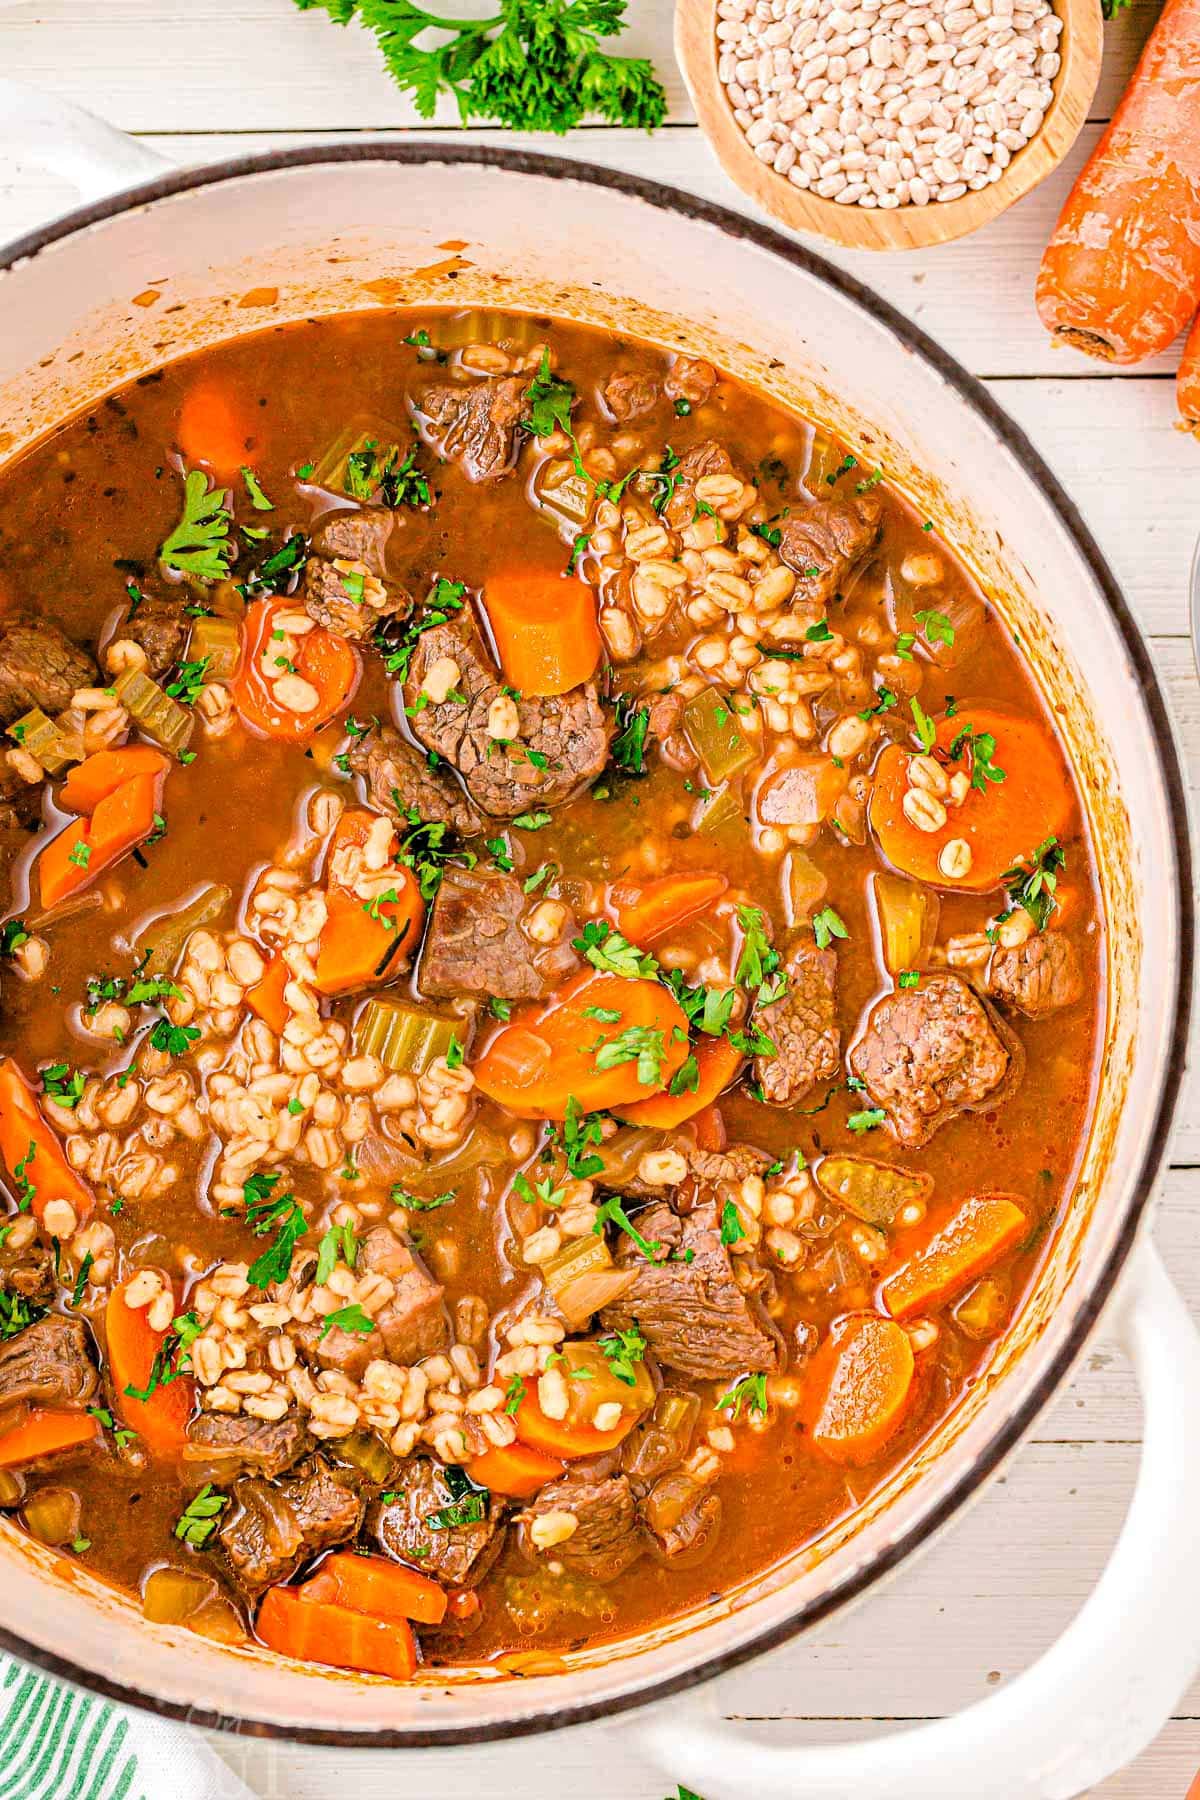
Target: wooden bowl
[901,227]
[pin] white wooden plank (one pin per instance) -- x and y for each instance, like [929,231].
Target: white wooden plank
[175,66]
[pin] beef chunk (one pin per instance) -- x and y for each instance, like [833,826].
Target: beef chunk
[48,1364]
[234,1442]
[707,458]
[823,543]
[39,666]
[476,423]
[691,379]
[629,395]
[1037,977]
[28,1272]
[400,781]
[345,585]
[706,1168]
[683,1518]
[413,1324]
[475,944]
[693,1314]
[605,1541]
[567,734]
[20,800]
[803,1026]
[933,1051]
[161,627]
[274,1526]
[411,1527]
[664,726]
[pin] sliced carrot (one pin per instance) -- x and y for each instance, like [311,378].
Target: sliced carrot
[133,1344]
[266,996]
[42,1433]
[121,821]
[213,430]
[102,773]
[338,1638]
[326,661]
[545,629]
[718,1062]
[709,1126]
[857,1388]
[360,941]
[1001,822]
[561,1440]
[978,1235]
[378,1586]
[645,913]
[537,1064]
[32,1152]
[515,1470]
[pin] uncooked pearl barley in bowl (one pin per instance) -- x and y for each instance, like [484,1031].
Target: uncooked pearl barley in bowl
[889,124]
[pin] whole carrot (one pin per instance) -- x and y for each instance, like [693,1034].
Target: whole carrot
[1187,382]
[1121,275]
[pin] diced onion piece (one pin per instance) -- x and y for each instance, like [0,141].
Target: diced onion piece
[872,1191]
[171,1596]
[216,643]
[158,947]
[369,1453]
[663,1440]
[722,818]
[908,920]
[42,739]
[404,1038]
[153,711]
[983,1309]
[52,1515]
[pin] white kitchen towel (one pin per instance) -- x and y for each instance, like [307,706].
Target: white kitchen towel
[59,1743]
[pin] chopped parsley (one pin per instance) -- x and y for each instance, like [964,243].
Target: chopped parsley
[909,978]
[750,1392]
[171,1358]
[885,701]
[532,821]
[198,1520]
[936,626]
[199,545]
[629,744]
[258,499]
[173,1039]
[13,933]
[640,1044]
[1032,883]
[981,746]
[611,1211]
[612,954]
[62,1083]
[622,1349]
[866,1120]
[514,1393]
[731,1224]
[925,728]
[16,1312]
[284,1216]
[400,1196]
[338,1243]
[350,1318]
[827,925]
[579,1133]
[469,1502]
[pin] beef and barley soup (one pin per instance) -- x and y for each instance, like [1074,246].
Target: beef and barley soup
[551,980]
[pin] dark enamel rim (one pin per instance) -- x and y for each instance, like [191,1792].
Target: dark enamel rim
[976,396]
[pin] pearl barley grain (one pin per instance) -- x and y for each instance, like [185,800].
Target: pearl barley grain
[888,102]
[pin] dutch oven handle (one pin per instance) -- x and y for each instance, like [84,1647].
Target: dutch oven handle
[1092,1702]
[47,133]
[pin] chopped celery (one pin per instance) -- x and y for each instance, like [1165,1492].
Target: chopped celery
[457,331]
[827,460]
[567,500]
[215,643]
[158,947]
[718,734]
[804,886]
[404,1037]
[153,711]
[581,1279]
[170,1596]
[42,739]
[369,1454]
[983,1309]
[663,1440]
[872,1191]
[908,920]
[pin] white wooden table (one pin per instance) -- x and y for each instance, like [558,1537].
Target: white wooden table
[204,79]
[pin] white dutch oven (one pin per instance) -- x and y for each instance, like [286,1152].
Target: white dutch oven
[188,259]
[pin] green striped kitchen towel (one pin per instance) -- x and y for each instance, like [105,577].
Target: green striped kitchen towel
[59,1743]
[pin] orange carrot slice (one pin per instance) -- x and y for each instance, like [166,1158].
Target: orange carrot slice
[160,1420]
[545,629]
[1000,822]
[360,940]
[515,1470]
[978,1235]
[43,1433]
[335,1636]
[266,996]
[121,821]
[213,430]
[559,1439]
[857,1388]
[536,1065]
[645,913]
[326,661]
[102,773]
[378,1586]
[32,1152]
[718,1063]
